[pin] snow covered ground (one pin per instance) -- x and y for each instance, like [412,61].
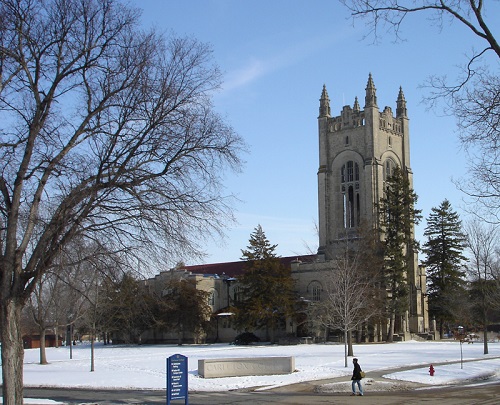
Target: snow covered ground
[144,367]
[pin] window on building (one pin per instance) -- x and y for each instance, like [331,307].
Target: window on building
[316,293]
[211,298]
[388,168]
[349,177]
[314,290]
[238,294]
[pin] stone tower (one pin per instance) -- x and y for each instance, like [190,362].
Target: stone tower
[357,151]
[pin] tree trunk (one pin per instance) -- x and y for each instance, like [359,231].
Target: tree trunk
[350,351]
[92,354]
[180,335]
[273,338]
[43,355]
[441,329]
[69,338]
[392,324]
[485,339]
[12,352]
[56,332]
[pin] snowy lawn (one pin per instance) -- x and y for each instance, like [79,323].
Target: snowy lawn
[144,367]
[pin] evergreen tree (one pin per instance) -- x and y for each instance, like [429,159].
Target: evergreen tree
[124,308]
[267,286]
[397,219]
[183,308]
[445,274]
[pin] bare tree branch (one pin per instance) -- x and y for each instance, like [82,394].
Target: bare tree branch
[473,97]
[108,133]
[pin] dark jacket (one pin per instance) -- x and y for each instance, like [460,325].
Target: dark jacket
[356,373]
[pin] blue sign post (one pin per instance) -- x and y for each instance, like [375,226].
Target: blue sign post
[177,378]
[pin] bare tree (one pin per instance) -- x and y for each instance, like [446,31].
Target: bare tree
[90,318]
[107,131]
[349,291]
[82,269]
[482,242]
[43,307]
[391,14]
[473,97]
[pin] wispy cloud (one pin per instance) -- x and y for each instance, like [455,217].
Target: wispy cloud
[256,67]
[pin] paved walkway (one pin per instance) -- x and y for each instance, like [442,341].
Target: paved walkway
[318,392]
[375,379]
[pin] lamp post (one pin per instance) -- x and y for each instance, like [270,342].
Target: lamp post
[461,336]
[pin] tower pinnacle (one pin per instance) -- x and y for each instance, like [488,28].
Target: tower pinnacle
[371,96]
[324,104]
[401,104]
[356,107]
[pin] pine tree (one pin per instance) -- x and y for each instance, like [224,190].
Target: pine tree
[445,273]
[124,308]
[268,297]
[183,308]
[397,219]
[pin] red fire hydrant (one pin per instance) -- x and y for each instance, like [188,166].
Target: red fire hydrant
[431,370]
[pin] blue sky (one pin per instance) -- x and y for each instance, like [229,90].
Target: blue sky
[276,55]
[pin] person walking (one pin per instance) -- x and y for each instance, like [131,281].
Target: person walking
[356,378]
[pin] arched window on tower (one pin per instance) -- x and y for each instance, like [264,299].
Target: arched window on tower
[388,168]
[349,177]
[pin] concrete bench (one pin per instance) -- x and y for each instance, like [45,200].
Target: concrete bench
[238,367]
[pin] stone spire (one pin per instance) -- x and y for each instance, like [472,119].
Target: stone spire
[371,96]
[324,104]
[356,108]
[401,104]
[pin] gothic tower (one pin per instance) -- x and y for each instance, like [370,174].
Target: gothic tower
[357,151]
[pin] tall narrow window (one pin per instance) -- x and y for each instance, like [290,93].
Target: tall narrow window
[351,207]
[316,293]
[349,177]
[388,169]
[238,294]
[211,298]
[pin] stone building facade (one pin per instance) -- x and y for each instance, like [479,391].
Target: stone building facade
[358,149]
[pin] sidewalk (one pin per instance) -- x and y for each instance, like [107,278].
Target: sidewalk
[373,382]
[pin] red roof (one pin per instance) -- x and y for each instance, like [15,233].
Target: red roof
[234,269]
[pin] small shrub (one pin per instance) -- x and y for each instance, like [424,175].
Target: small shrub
[245,338]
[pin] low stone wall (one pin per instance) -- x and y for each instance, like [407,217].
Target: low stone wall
[211,368]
